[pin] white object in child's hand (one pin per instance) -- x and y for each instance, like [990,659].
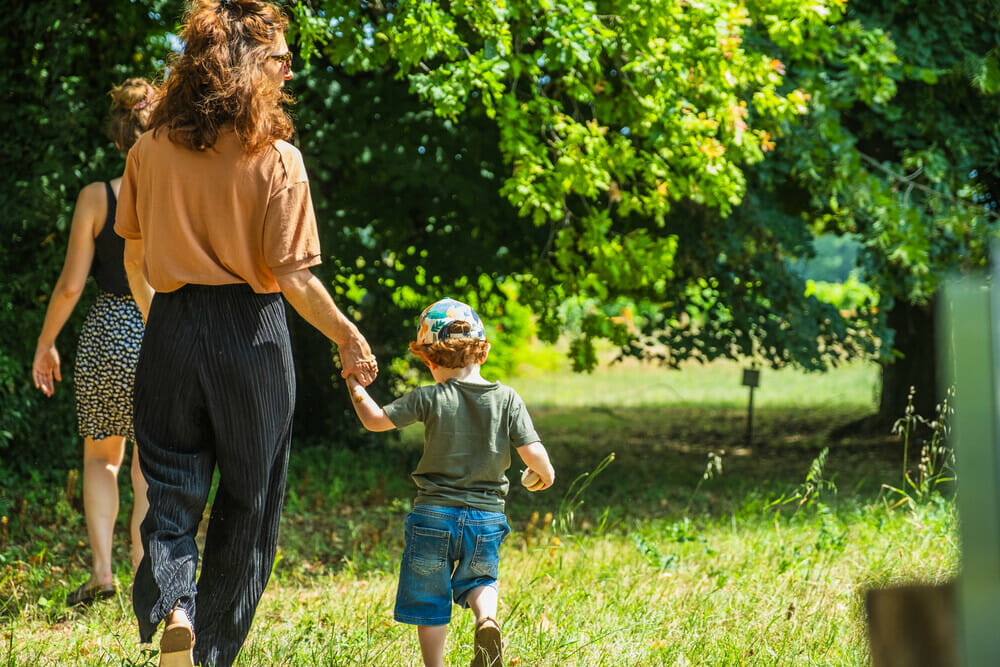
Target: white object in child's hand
[531,480]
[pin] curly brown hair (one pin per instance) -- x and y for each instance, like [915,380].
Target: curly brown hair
[452,353]
[220,78]
[131,106]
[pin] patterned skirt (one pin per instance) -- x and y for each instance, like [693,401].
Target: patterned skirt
[105,367]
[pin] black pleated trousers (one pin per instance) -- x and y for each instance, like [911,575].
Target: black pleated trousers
[214,387]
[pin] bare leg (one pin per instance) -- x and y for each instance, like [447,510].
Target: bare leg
[101,462]
[488,641]
[483,602]
[139,508]
[432,644]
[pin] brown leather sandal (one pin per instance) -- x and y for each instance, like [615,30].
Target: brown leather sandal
[488,645]
[177,641]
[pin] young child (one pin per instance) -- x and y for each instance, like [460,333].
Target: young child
[454,533]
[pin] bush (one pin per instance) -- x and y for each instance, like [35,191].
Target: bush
[59,60]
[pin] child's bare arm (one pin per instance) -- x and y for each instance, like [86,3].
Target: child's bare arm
[372,416]
[535,457]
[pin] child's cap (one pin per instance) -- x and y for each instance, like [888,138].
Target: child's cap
[437,318]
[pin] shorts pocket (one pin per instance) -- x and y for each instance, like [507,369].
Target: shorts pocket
[429,551]
[486,559]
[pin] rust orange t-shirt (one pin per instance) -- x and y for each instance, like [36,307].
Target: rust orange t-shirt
[219,216]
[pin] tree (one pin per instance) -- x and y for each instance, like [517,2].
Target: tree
[635,135]
[61,58]
[677,157]
[409,210]
[627,131]
[911,169]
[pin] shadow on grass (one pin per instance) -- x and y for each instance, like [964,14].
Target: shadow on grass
[345,509]
[348,507]
[662,455]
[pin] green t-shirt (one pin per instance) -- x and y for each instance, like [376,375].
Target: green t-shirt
[468,432]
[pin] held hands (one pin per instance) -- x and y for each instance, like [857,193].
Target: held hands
[357,360]
[45,367]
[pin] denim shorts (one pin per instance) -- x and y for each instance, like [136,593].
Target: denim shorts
[449,551]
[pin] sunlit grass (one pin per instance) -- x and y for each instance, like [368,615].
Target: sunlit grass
[661,564]
[629,384]
[712,591]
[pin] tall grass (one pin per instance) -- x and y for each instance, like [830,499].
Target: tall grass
[643,559]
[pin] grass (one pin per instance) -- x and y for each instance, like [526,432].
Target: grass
[661,559]
[719,384]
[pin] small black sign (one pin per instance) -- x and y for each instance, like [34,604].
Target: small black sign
[751,377]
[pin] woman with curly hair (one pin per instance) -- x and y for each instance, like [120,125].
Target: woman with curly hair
[217,216]
[107,350]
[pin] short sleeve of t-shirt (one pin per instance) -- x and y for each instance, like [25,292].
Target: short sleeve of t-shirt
[408,409]
[521,429]
[291,238]
[126,220]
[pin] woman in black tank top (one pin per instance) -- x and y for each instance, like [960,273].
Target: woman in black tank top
[107,351]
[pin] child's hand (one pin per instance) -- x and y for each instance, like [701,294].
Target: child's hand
[540,474]
[532,481]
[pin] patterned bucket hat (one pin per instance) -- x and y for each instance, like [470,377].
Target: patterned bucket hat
[437,318]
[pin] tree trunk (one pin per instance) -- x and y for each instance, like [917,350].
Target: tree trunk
[914,364]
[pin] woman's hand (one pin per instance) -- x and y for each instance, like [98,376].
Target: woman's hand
[45,367]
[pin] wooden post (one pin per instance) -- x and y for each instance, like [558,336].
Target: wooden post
[912,626]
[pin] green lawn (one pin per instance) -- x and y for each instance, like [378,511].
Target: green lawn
[653,562]
[631,384]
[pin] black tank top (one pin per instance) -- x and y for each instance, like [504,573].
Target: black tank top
[108,267]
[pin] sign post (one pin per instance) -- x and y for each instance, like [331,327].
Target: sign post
[751,378]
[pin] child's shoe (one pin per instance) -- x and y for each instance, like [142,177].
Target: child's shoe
[177,641]
[487,649]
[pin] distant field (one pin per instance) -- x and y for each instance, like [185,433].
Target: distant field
[717,384]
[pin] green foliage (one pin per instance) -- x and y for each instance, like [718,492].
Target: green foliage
[675,159]
[626,133]
[634,135]
[59,61]
[409,212]
[852,294]
[907,170]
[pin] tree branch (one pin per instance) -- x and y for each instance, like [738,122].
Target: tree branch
[923,188]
